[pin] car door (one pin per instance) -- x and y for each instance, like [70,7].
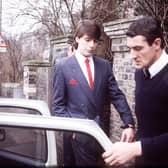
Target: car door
[27,137]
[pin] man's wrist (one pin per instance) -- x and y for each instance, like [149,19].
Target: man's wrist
[128,126]
[138,148]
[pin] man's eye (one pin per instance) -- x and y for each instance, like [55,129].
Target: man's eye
[138,48]
[87,39]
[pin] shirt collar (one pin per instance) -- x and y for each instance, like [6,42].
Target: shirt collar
[159,64]
[82,58]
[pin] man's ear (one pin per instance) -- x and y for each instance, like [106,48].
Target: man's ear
[77,39]
[157,43]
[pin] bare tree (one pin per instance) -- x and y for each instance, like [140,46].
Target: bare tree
[15,59]
[11,61]
[56,16]
[108,10]
[59,17]
[48,18]
[157,9]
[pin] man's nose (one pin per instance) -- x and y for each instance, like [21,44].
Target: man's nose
[133,53]
[92,43]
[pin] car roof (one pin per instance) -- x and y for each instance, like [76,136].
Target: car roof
[38,105]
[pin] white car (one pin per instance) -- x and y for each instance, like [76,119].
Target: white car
[29,134]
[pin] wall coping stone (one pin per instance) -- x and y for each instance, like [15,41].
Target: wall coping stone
[118,28]
[37,63]
[61,39]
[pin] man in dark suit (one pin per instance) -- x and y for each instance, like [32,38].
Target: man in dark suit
[146,43]
[79,88]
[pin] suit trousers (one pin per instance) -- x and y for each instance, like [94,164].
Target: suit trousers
[80,150]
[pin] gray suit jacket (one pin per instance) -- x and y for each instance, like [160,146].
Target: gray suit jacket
[72,96]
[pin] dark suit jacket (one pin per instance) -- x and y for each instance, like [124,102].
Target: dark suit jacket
[72,96]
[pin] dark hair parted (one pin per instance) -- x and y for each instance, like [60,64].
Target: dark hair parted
[88,27]
[148,27]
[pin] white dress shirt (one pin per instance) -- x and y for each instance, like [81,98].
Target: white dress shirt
[158,65]
[81,60]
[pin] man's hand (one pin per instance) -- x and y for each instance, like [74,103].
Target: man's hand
[122,152]
[127,135]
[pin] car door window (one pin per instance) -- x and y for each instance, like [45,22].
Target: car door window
[30,143]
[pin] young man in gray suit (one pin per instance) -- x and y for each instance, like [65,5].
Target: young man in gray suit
[80,84]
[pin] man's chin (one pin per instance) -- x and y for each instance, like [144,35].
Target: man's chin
[88,54]
[137,66]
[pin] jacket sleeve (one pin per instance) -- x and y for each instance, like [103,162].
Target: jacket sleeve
[117,98]
[59,92]
[155,146]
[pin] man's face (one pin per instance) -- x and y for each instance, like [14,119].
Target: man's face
[86,45]
[142,53]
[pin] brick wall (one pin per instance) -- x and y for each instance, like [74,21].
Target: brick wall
[122,68]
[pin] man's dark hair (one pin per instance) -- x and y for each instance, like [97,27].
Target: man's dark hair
[88,27]
[148,27]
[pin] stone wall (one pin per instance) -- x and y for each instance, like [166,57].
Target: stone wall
[122,68]
[59,47]
[12,90]
[37,80]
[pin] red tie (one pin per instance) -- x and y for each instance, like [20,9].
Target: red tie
[89,73]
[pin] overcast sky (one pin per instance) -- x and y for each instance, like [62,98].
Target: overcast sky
[9,12]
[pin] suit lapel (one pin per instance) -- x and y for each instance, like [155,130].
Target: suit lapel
[97,76]
[78,74]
